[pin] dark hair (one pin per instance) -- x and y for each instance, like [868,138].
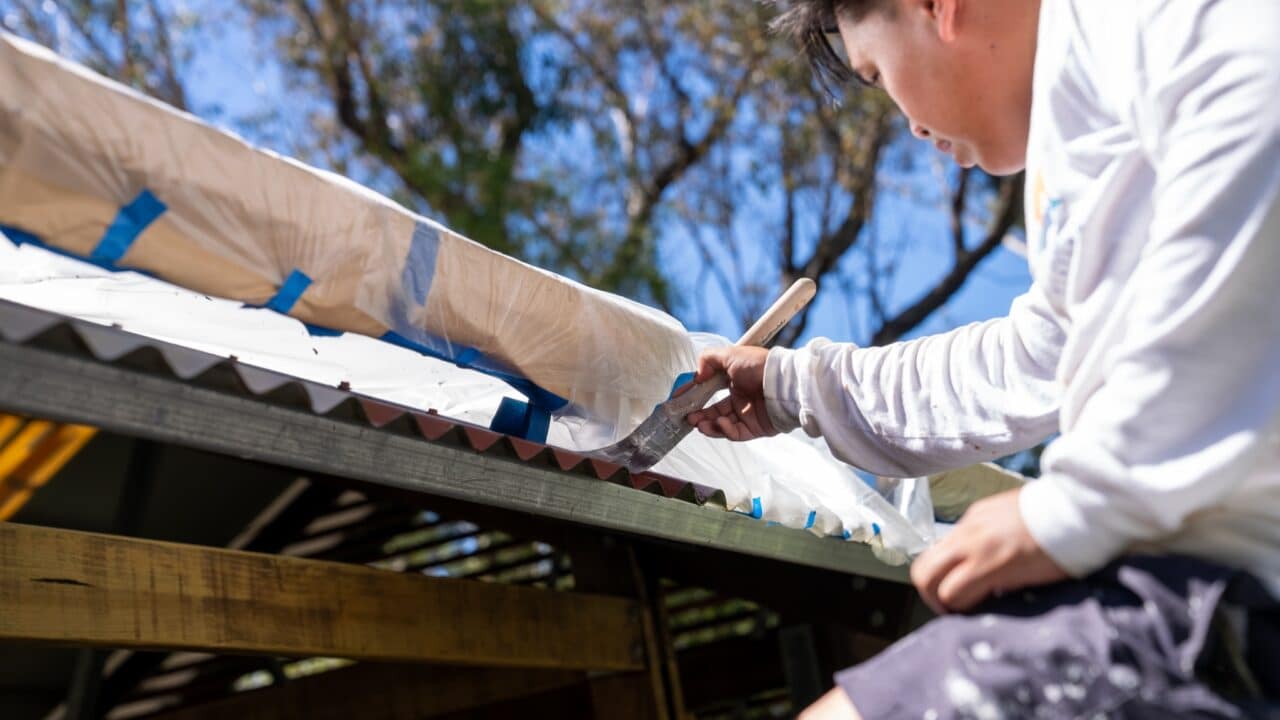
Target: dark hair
[809,22]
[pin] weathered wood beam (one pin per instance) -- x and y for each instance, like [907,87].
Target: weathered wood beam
[86,589]
[381,691]
[44,383]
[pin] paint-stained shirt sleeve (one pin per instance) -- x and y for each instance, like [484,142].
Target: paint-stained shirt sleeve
[1191,395]
[912,408]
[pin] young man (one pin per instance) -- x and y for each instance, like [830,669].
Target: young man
[1146,559]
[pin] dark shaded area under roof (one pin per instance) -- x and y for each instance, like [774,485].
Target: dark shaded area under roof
[212,498]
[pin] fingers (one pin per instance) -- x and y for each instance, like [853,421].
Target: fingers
[710,413]
[747,413]
[711,362]
[725,420]
[732,427]
[742,415]
[709,428]
[963,588]
[928,572]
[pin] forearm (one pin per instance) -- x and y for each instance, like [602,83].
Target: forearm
[912,408]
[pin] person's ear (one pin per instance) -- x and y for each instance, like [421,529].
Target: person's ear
[945,15]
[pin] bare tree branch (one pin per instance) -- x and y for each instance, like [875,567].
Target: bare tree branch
[174,92]
[127,71]
[1004,216]
[957,212]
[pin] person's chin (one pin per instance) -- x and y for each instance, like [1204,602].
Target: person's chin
[997,163]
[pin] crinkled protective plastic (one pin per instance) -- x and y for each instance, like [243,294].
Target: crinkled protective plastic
[790,479]
[238,221]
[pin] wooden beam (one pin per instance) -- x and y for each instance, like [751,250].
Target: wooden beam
[614,567]
[73,588]
[381,691]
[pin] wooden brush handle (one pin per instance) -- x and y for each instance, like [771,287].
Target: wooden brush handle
[780,313]
[773,320]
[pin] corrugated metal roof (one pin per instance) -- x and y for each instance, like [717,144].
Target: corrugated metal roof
[68,370]
[37,328]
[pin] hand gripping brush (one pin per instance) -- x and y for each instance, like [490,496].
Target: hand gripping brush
[666,426]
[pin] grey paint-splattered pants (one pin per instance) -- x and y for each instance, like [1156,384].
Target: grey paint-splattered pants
[1148,637]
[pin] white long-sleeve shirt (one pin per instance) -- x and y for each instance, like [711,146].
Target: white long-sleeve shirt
[1150,337]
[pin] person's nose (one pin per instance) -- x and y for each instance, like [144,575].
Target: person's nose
[919,131]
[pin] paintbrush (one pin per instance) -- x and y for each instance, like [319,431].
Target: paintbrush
[666,426]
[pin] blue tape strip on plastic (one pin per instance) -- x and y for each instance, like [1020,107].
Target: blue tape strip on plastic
[127,226]
[538,426]
[416,279]
[289,293]
[875,527]
[809,521]
[467,356]
[521,419]
[510,417]
[540,398]
[681,380]
[757,509]
[320,331]
[20,236]
[847,534]
[420,265]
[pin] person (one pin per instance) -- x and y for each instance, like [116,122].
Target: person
[1137,577]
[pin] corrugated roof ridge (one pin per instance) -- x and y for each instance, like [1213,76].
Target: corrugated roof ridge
[25,325]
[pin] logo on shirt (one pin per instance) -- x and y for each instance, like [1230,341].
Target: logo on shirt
[1041,211]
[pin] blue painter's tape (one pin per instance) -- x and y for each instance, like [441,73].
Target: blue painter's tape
[681,380]
[420,265]
[320,331]
[22,237]
[416,279]
[509,419]
[127,226]
[19,236]
[544,399]
[521,419]
[848,534]
[467,356]
[289,293]
[875,527]
[809,521]
[538,426]
[757,509]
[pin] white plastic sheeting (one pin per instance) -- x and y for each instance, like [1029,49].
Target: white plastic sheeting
[789,479]
[98,170]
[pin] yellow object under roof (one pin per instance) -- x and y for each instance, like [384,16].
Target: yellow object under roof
[32,452]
